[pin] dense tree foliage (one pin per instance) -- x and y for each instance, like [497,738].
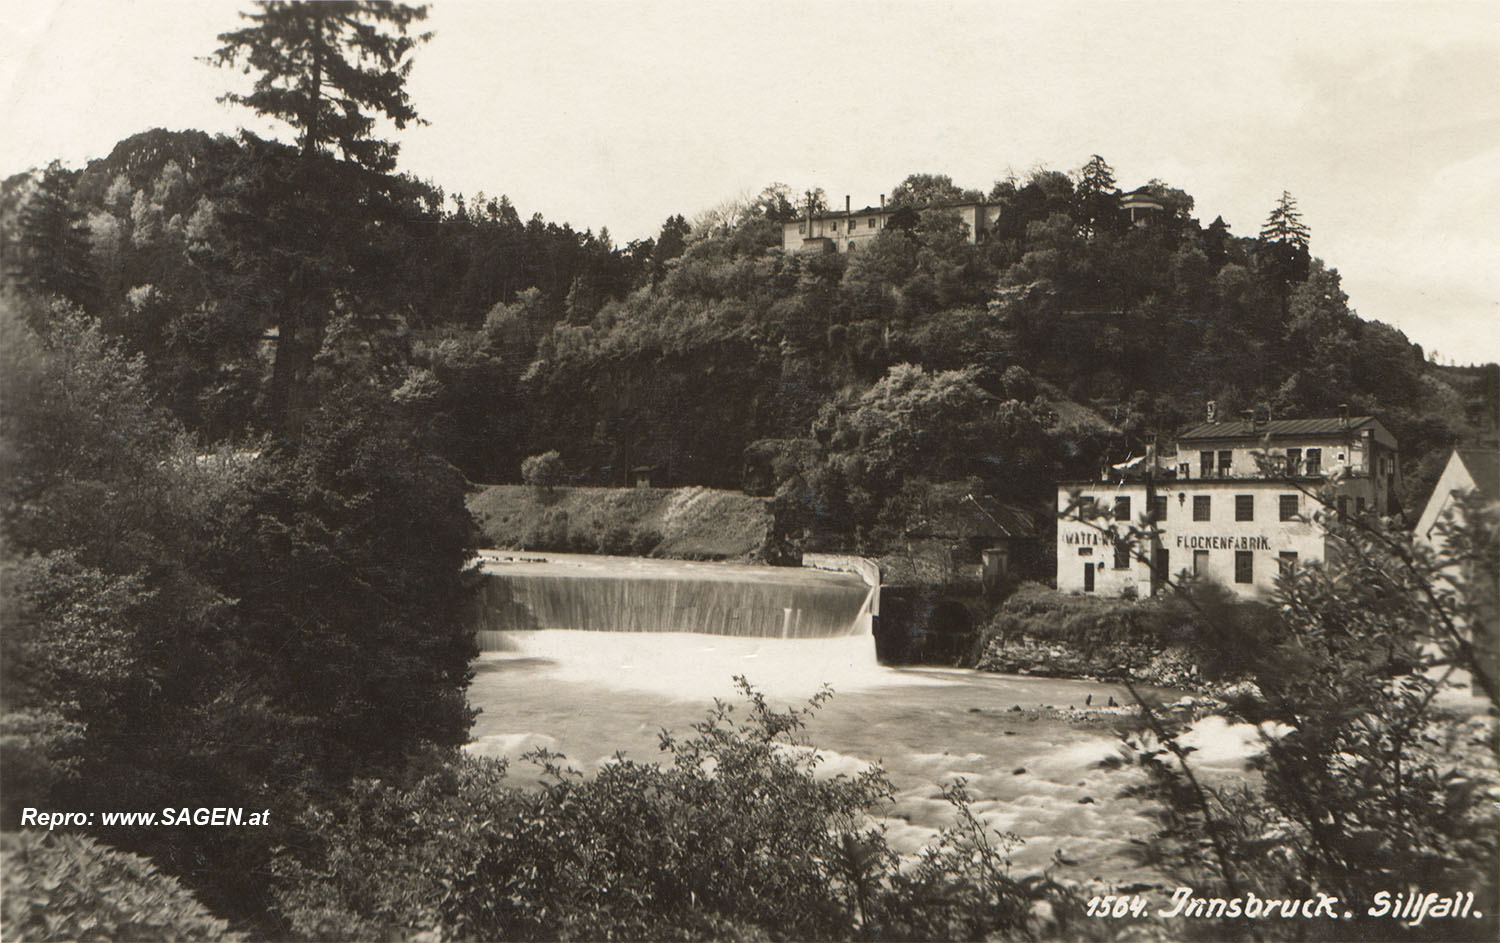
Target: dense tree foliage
[256,626]
[510,337]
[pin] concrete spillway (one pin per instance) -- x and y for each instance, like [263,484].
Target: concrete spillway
[626,594]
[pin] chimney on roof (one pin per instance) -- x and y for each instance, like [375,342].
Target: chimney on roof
[1262,420]
[847,207]
[882,201]
[1213,411]
[1343,415]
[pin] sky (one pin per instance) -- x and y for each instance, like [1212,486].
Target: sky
[1382,119]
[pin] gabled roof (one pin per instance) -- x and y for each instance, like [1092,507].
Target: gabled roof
[1289,428]
[1484,468]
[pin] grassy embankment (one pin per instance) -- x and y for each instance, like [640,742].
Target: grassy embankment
[1039,631]
[679,523]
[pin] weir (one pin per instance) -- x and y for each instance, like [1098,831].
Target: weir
[528,592]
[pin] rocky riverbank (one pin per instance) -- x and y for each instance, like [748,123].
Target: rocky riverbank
[1168,667]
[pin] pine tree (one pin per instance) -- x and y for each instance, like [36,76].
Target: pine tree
[51,255]
[1284,243]
[327,69]
[1285,226]
[1097,198]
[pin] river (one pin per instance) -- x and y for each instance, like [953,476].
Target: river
[591,694]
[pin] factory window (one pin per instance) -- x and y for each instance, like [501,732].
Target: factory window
[1226,458]
[851,245]
[1244,507]
[1244,566]
[1183,468]
[801,229]
[1159,508]
[1289,507]
[1205,464]
[1287,559]
[1122,509]
[1293,459]
[1359,505]
[1200,562]
[870,223]
[1122,553]
[1201,505]
[1343,507]
[1314,461]
[835,225]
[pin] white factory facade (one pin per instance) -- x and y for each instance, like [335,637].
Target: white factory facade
[1241,502]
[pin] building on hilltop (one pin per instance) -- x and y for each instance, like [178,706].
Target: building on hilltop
[1239,503]
[853,229]
[1141,204]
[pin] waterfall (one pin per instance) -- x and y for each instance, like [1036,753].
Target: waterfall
[626,594]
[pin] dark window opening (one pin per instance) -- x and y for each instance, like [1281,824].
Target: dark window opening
[1159,508]
[1201,506]
[1205,464]
[1287,559]
[1122,553]
[1244,507]
[1244,566]
[1293,461]
[1226,459]
[1200,562]
[1122,509]
[1314,461]
[1289,507]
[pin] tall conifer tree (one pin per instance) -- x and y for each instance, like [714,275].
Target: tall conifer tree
[328,69]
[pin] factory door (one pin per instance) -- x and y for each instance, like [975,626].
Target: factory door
[1088,577]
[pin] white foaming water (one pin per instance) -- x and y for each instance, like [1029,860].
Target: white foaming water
[698,668]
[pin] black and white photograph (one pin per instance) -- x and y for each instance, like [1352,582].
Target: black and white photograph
[655,470]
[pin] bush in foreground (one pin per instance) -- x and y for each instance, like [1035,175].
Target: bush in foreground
[68,887]
[734,835]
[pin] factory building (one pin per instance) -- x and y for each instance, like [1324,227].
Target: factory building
[1239,503]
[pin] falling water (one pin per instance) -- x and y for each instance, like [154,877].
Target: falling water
[625,594]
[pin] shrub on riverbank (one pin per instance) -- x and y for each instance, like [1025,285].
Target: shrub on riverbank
[1160,641]
[1040,612]
[733,835]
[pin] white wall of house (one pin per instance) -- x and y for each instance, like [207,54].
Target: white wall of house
[1245,555]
